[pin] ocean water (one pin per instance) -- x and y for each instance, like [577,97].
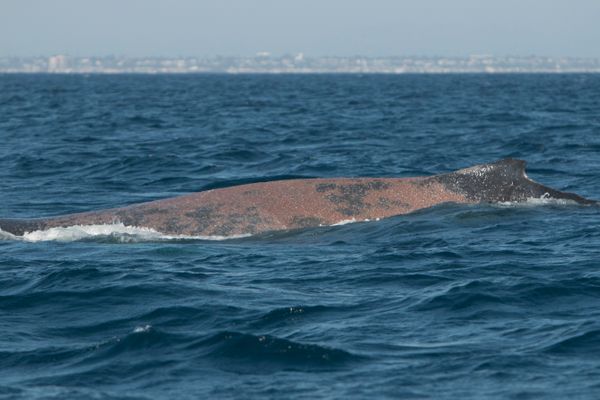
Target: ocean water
[457,301]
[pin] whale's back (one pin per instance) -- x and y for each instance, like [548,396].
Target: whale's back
[19,227]
[302,203]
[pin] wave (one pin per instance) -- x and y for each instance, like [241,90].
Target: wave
[249,352]
[143,338]
[473,296]
[580,344]
[140,338]
[291,315]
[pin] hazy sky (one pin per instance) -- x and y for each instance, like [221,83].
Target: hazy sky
[314,27]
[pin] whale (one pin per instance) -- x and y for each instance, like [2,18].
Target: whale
[279,205]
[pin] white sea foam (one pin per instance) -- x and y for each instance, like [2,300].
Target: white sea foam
[543,200]
[119,232]
[140,329]
[351,221]
[344,222]
[6,235]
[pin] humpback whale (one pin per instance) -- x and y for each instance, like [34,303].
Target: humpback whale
[301,203]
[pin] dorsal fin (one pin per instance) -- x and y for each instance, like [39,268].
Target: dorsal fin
[501,181]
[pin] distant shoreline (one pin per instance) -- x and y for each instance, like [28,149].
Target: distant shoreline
[15,73]
[298,64]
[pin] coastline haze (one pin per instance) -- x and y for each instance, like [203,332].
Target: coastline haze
[232,28]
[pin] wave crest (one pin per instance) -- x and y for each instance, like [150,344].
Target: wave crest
[272,352]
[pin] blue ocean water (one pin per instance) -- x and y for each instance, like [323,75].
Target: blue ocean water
[487,301]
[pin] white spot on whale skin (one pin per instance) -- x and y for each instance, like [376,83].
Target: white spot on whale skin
[477,170]
[119,231]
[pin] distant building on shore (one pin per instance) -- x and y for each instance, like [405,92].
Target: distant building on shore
[58,63]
